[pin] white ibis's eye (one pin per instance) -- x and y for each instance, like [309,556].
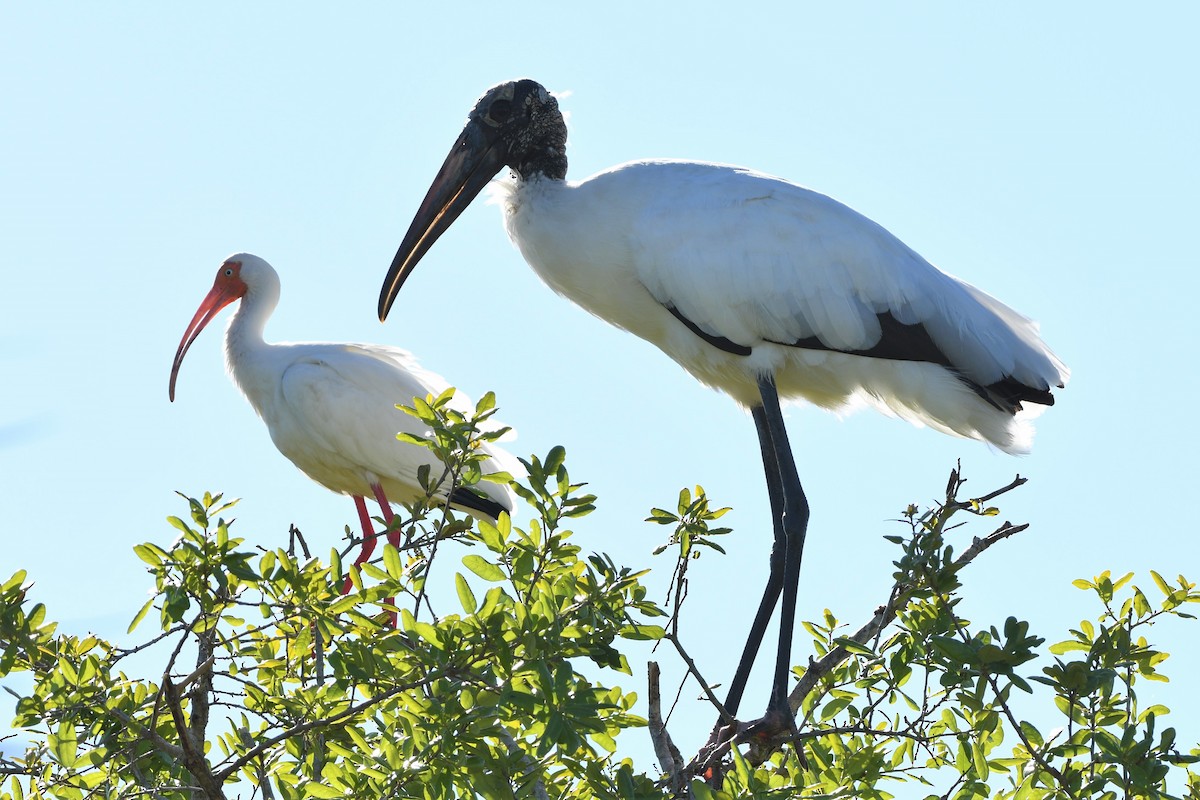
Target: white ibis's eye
[500,111]
[229,272]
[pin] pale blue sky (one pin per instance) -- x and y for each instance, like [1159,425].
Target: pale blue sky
[1044,153]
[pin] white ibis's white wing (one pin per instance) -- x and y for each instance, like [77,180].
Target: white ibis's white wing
[749,258]
[336,418]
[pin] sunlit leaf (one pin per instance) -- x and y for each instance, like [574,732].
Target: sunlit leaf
[63,744]
[140,615]
[851,646]
[466,597]
[483,568]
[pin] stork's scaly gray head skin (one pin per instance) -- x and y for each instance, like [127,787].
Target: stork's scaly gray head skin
[515,124]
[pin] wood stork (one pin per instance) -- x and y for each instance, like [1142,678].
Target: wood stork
[756,286]
[331,408]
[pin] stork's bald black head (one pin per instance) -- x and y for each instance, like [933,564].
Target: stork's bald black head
[515,124]
[523,118]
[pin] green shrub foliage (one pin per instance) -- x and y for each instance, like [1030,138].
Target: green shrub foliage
[481,677]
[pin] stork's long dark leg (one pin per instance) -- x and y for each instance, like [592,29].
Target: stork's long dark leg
[771,591]
[794,521]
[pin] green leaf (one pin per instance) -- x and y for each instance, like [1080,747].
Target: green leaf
[343,604]
[392,563]
[138,617]
[851,646]
[554,459]
[643,632]
[427,632]
[957,650]
[1157,710]
[180,524]
[151,554]
[16,580]
[355,576]
[483,568]
[410,438]
[990,653]
[369,569]
[1032,734]
[1141,605]
[835,707]
[322,791]
[465,596]
[63,744]
[266,564]
[980,760]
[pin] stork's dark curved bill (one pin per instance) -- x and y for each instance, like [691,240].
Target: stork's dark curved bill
[474,160]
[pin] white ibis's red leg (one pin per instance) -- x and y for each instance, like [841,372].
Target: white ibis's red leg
[392,533]
[368,530]
[393,536]
[368,540]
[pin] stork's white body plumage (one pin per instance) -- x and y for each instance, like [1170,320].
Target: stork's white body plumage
[763,263]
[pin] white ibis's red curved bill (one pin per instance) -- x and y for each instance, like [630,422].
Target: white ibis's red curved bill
[758,287]
[331,408]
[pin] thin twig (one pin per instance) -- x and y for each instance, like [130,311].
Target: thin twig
[441,523]
[726,717]
[205,667]
[868,731]
[1029,746]
[294,535]
[120,653]
[169,748]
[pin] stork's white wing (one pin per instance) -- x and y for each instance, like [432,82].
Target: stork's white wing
[753,258]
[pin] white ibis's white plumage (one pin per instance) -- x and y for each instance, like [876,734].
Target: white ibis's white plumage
[330,407]
[758,287]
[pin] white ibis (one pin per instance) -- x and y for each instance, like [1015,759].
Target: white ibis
[759,288]
[331,408]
